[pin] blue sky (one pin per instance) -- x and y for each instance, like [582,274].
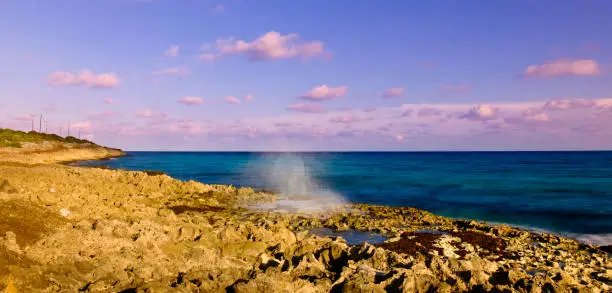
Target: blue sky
[454,55]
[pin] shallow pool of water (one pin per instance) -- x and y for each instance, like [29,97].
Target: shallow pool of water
[352,237]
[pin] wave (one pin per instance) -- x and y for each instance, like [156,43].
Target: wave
[594,239]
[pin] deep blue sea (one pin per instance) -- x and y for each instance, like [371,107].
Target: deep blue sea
[569,193]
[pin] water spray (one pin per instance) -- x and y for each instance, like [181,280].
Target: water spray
[299,191]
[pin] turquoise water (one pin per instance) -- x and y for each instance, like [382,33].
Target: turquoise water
[564,192]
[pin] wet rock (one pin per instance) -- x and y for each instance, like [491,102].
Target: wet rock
[606,248]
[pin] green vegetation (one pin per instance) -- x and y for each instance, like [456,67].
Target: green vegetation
[15,139]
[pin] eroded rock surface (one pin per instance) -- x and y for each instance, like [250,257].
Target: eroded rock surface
[73,229]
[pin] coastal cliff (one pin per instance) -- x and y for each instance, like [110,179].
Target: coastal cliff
[70,229]
[40,148]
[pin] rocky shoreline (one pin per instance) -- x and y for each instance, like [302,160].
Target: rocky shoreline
[74,229]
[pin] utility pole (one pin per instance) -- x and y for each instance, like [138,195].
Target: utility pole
[79,133]
[46,126]
[32,123]
[40,123]
[61,129]
[69,129]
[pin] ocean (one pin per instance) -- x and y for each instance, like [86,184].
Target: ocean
[569,193]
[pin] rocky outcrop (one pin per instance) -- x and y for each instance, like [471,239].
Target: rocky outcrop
[93,230]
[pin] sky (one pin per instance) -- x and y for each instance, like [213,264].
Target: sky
[277,75]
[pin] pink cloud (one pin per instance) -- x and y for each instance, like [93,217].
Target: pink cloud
[249,98]
[408,113]
[344,119]
[108,101]
[186,127]
[393,92]
[25,117]
[399,137]
[528,118]
[84,78]
[232,100]
[270,46]
[103,115]
[481,113]
[307,108]
[208,57]
[604,103]
[191,101]
[461,88]
[148,113]
[429,111]
[324,93]
[563,67]
[178,71]
[565,104]
[538,117]
[81,125]
[172,51]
